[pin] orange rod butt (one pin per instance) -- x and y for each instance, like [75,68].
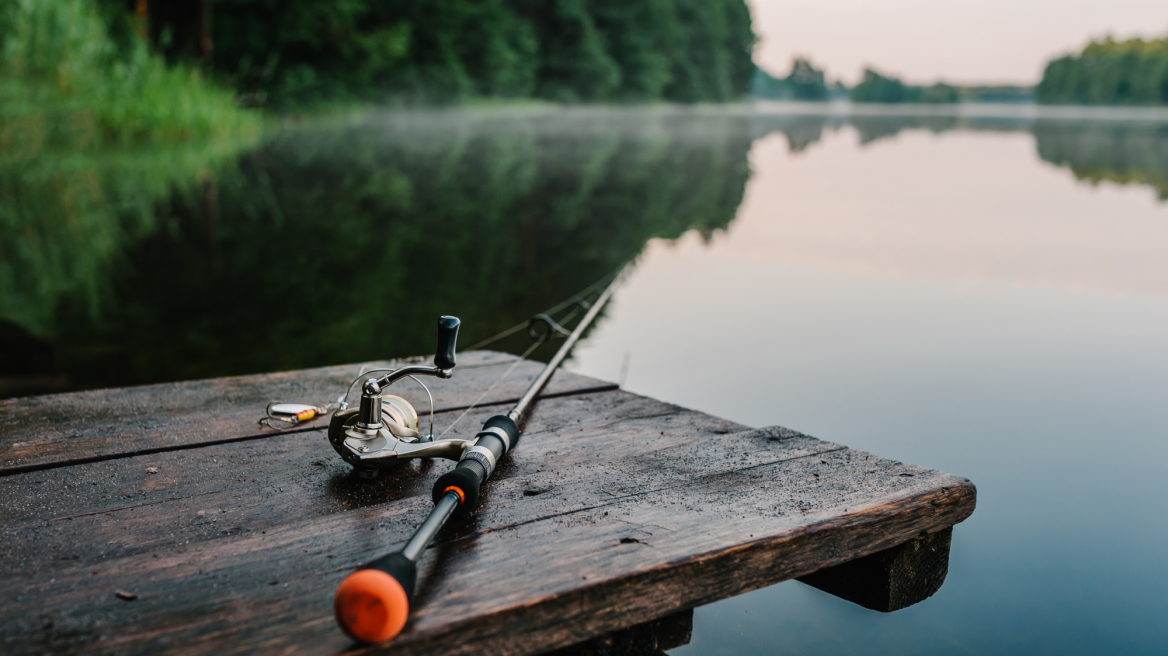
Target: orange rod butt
[371,606]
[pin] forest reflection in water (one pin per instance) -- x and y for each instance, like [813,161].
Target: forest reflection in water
[1123,152]
[341,241]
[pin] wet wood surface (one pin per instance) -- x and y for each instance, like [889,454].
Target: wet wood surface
[41,432]
[614,510]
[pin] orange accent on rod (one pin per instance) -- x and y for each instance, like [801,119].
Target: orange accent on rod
[461,496]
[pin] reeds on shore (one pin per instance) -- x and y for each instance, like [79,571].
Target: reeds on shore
[66,84]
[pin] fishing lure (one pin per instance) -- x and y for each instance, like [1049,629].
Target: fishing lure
[291,413]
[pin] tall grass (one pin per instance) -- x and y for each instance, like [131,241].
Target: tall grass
[64,83]
[94,137]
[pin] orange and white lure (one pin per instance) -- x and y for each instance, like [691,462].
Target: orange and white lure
[292,413]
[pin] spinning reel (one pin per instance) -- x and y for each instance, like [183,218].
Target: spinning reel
[382,432]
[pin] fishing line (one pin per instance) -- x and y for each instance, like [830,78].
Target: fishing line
[493,385]
[574,298]
[304,412]
[580,304]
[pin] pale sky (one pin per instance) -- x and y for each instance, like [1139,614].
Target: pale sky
[924,40]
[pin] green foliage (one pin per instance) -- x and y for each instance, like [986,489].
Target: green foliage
[938,93]
[299,53]
[66,83]
[574,63]
[805,82]
[997,94]
[1132,72]
[87,131]
[879,88]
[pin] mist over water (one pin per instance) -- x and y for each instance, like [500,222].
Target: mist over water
[985,295]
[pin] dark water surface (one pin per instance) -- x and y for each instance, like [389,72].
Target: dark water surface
[986,296]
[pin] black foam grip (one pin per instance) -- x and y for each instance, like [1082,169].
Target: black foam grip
[447,336]
[468,476]
[508,425]
[401,568]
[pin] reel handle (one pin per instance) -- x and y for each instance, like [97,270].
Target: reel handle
[447,336]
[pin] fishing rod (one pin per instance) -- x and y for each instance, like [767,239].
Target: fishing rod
[372,604]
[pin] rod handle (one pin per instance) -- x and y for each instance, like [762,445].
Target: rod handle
[372,604]
[447,336]
[475,466]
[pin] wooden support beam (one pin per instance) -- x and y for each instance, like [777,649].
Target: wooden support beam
[651,638]
[891,579]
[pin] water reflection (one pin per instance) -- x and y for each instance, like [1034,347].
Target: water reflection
[947,298]
[341,241]
[1123,152]
[66,219]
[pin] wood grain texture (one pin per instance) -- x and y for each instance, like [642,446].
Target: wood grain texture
[246,488]
[64,429]
[614,510]
[891,579]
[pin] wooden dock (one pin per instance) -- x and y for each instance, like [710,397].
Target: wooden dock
[161,519]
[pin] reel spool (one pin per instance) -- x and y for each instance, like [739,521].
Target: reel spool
[400,418]
[399,422]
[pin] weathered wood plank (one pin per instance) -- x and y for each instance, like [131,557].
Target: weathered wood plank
[683,538]
[233,489]
[65,429]
[591,526]
[891,579]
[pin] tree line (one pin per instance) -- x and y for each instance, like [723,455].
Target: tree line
[1108,72]
[878,88]
[298,53]
[806,82]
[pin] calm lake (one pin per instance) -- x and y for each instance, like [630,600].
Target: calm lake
[985,294]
